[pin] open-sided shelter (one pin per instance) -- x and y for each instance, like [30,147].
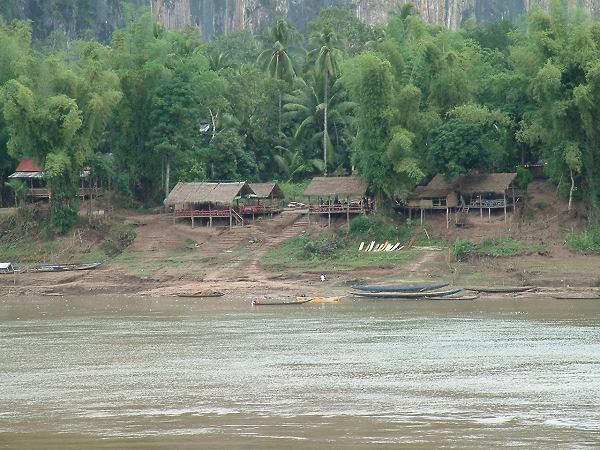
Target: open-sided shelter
[472,191]
[208,201]
[263,201]
[336,196]
[32,174]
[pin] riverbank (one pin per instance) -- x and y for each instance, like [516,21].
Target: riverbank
[152,256]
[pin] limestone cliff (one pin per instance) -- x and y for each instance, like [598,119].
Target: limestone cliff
[217,17]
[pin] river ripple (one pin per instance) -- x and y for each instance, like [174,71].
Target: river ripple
[163,373]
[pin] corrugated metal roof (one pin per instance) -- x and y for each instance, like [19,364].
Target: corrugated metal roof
[27,175]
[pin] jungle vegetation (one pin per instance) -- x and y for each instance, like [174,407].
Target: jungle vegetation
[395,103]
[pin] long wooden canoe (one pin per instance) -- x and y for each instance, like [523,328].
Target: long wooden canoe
[501,289]
[203,294]
[573,297]
[400,287]
[449,298]
[406,295]
[260,303]
[321,299]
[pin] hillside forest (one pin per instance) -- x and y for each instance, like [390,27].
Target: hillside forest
[396,104]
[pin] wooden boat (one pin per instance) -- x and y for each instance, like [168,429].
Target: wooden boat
[400,287]
[463,298]
[502,289]
[406,295]
[64,267]
[261,303]
[201,294]
[573,297]
[321,299]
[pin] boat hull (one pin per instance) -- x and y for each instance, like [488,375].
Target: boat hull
[406,295]
[400,288]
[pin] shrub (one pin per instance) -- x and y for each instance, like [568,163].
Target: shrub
[586,242]
[324,246]
[524,177]
[118,240]
[462,249]
[375,228]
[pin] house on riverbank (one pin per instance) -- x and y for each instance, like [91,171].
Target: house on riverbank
[208,203]
[266,200]
[483,192]
[337,196]
[33,175]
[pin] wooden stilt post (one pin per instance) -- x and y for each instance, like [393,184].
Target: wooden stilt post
[490,215]
[480,208]
[329,210]
[505,208]
[348,211]
[447,219]
[421,216]
[209,215]
[192,214]
[230,218]
[514,203]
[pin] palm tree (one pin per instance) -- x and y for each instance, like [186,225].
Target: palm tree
[276,57]
[305,106]
[326,56]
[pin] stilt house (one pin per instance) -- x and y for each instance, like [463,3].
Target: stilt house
[337,196]
[208,202]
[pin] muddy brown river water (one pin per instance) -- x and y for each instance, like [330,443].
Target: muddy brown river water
[192,373]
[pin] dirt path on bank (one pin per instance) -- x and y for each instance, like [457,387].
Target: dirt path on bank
[168,258]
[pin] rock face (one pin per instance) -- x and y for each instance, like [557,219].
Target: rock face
[218,17]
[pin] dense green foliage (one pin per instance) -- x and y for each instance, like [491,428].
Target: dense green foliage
[396,103]
[493,247]
[586,242]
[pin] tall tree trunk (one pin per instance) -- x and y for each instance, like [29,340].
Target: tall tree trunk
[167,173]
[571,189]
[326,100]
[280,110]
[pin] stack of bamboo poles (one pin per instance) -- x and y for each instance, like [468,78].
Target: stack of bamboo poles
[385,247]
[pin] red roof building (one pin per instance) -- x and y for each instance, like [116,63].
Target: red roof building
[27,165]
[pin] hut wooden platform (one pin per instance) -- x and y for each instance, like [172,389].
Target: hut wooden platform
[337,196]
[198,201]
[480,191]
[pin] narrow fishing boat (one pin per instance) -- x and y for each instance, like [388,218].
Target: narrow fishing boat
[502,289]
[64,267]
[449,298]
[321,299]
[400,287]
[573,297]
[406,295]
[261,303]
[202,294]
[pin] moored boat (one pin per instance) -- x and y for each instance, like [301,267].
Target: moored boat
[321,299]
[451,298]
[400,287]
[502,289]
[201,294]
[406,295]
[261,303]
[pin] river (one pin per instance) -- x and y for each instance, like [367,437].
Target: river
[103,372]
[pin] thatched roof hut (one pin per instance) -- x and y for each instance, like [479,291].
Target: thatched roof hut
[494,183]
[215,193]
[267,190]
[341,186]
